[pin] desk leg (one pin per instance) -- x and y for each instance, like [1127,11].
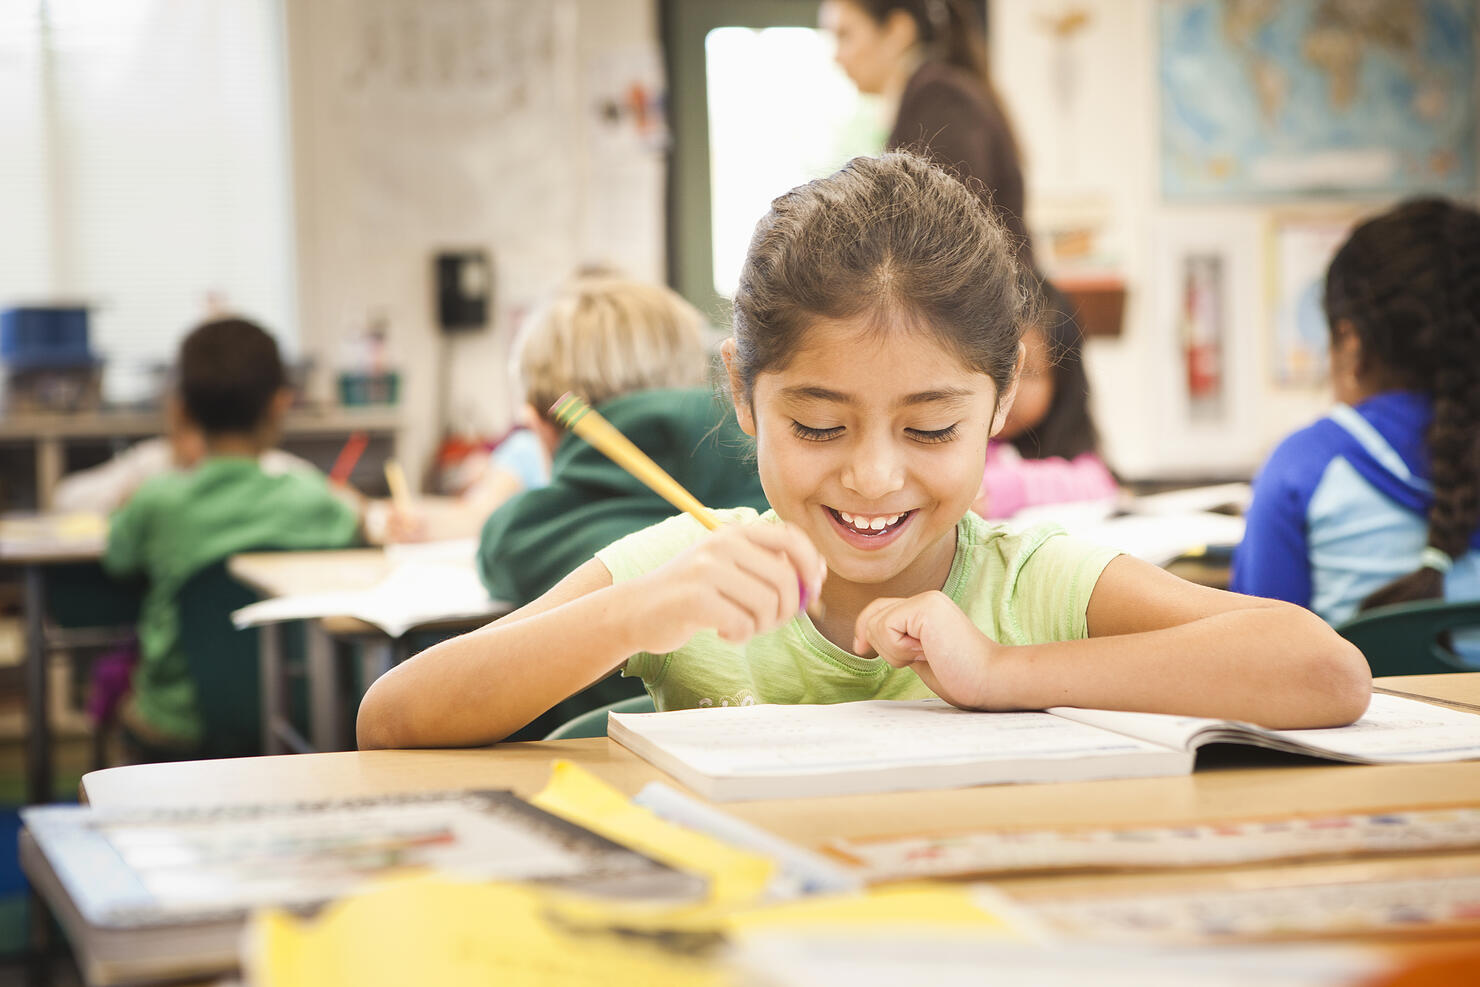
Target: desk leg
[38,730]
[325,709]
[270,670]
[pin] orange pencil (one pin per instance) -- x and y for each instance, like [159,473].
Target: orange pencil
[344,463]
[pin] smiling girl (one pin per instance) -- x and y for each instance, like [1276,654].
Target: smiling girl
[875,351]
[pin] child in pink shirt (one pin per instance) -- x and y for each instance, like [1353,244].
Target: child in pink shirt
[1047,453]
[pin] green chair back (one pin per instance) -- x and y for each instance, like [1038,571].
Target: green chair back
[82,595]
[592,723]
[1411,638]
[224,663]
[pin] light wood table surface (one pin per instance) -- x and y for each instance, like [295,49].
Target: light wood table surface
[1220,792]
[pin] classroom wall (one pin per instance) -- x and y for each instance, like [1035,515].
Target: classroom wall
[1085,101]
[421,125]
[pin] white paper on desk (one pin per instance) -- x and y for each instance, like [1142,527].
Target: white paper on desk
[453,550]
[413,594]
[1193,500]
[1158,539]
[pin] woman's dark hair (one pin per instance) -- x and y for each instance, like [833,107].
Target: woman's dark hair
[1068,429]
[894,240]
[229,370]
[1408,283]
[948,30]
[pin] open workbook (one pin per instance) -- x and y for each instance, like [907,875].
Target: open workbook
[413,593]
[758,752]
[149,895]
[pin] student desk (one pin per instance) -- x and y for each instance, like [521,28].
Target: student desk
[291,573]
[31,544]
[1208,794]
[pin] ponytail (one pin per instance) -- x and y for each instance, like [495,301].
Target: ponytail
[1409,281]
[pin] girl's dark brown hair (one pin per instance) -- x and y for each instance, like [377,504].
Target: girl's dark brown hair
[894,241]
[1408,282]
[1068,428]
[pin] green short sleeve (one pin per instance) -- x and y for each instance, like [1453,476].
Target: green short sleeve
[1051,583]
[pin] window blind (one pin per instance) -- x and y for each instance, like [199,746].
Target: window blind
[150,176]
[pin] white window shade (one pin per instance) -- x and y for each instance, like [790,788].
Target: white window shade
[155,173]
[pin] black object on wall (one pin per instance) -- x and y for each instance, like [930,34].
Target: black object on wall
[464,290]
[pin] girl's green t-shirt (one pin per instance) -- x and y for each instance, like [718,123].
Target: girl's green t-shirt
[1018,585]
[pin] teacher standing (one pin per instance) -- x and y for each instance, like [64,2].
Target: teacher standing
[928,58]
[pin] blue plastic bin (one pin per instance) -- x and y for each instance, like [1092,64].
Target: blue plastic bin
[44,337]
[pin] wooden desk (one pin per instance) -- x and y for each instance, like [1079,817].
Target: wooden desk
[1208,794]
[31,544]
[292,573]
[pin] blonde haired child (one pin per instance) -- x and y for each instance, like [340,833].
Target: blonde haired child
[599,335]
[604,336]
[875,351]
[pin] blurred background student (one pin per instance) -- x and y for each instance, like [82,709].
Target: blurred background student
[1048,451]
[641,356]
[104,488]
[1377,502]
[928,59]
[231,390]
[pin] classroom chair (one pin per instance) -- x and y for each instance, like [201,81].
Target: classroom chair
[592,723]
[91,616]
[224,667]
[1413,638]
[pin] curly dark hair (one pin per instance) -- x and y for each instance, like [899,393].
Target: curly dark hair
[1408,283]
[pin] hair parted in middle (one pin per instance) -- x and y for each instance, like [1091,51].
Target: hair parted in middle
[893,240]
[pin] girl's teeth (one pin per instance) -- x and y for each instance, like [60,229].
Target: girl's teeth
[869,524]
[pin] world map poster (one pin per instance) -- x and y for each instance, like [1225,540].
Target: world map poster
[1286,98]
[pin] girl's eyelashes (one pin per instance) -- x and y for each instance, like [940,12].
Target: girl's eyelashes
[918,434]
[815,434]
[934,435]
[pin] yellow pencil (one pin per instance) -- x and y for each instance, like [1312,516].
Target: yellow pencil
[578,416]
[395,478]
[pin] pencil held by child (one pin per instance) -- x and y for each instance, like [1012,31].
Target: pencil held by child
[876,342]
[582,419]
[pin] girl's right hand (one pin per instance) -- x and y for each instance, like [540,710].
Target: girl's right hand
[739,581]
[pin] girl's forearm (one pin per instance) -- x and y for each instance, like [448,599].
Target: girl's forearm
[1277,665]
[480,687]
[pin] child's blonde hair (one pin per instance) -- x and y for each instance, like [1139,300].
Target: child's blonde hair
[601,337]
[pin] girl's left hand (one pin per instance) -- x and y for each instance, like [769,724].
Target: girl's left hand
[931,635]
